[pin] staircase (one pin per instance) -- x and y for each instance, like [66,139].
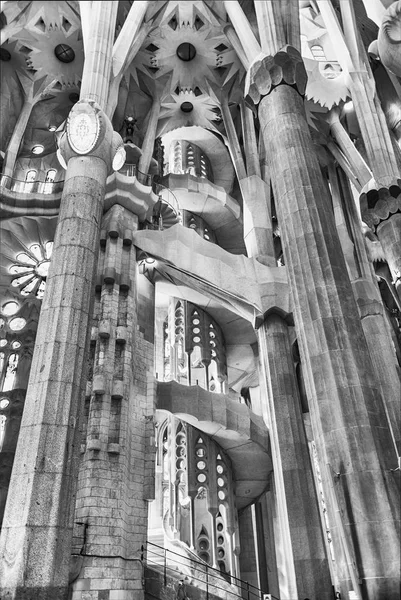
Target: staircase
[164,569]
[166,211]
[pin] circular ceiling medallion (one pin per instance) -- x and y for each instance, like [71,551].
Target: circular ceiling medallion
[5,55]
[83,128]
[64,53]
[187,107]
[186,52]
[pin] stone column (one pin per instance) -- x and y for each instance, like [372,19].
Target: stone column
[247,558]
[126,46]
[258,235]
[381,210]
[35,544]
[36,535]
[98,51]
[15,141]
[236,44]
[370,306]
[346,145]
[347,413]
[149,139]
[111,503]
[242,27]
[296,496]
[13,412]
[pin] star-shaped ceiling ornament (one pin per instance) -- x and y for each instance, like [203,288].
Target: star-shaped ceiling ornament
[187,108]
[189,43]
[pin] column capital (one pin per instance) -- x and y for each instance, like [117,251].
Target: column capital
[89,132]
[286,67]
[378,202]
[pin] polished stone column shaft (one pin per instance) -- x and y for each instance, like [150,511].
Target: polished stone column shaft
[296,495]
[37,528]
[348,418]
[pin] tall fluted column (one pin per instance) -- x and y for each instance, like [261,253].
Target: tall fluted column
[149,139]
[35,542]
[258,236]
[296,496]
[347,413]
[15,141]
[98,52]
[346,145]
[371,309]
[380,198]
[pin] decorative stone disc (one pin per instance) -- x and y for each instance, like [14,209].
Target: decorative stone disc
[83,128]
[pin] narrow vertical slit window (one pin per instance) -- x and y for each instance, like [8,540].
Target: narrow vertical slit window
[10,372]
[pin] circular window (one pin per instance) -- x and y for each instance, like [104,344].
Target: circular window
[64,53]
[15,345]
[5,55]
[219,469]
[200,452]
[220,540]
[186,52]
[196,321]
[221,553]
[201,465]
[187,107]
[38,149]
[204,556]
[221,495]
[4,402]
[201,478]
[220,481]
[196,339]
[204,545]
[196,330]
[219,526]
[3,343]
[10,308]
[17,324]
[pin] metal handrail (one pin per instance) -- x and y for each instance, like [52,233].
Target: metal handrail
[251,592]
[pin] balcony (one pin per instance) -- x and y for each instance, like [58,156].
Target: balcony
[140,192]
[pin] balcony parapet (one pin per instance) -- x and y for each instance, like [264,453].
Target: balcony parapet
[37,198]
[211,202]
[242,434]
[241,284]
[138,192]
